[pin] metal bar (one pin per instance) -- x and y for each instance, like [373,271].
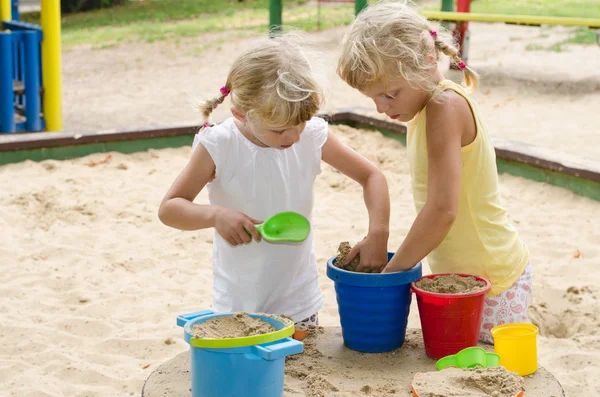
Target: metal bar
[360,5]
[275,21]
[7,115]
[5,10]
[33,104]
[15,10]
[18,26]
[461,31]
[513,19]
[51,65]
[19,70]
[448,6]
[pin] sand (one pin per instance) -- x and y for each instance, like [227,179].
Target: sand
[309,366]
[91,282]
[469,382]
[236,326]
[343,251]
[328,369]
[452,284]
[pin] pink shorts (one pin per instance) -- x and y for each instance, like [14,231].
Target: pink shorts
[508,307]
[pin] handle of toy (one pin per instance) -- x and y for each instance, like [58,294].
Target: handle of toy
[184,318]
[259,229]
[283,348]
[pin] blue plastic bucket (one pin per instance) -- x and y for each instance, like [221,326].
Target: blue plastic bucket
[373,307]
[240,371]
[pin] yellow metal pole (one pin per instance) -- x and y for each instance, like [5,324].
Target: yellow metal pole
[515,19]
[51,64]
[5,10]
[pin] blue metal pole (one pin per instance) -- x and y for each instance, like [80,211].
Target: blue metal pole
[7,112]
[19,65]
[15,10]
[33,102]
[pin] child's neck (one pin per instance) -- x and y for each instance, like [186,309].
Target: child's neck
[437,79]
[248,134]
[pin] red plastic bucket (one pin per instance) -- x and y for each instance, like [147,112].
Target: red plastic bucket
[450,322]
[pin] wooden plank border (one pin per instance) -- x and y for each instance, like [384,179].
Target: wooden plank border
[578,175]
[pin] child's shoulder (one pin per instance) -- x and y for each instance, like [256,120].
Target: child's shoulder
[316,126]
[222,130]
[216,134]
[317,130]
[317,121]
[449,106]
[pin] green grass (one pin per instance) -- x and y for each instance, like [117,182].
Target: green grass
[153,20]
[555,47]
[553,8]
[582,36]
[157,11]
[579,35]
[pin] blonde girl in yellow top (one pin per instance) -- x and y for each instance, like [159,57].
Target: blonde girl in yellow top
[390,55]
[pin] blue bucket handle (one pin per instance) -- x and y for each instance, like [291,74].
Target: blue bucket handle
[184,318]
[282,348]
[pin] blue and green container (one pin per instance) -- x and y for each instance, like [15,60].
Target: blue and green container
[249,366]
[373,307]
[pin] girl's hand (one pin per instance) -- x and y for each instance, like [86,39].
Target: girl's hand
[235,227]
[394,266]
[373,253]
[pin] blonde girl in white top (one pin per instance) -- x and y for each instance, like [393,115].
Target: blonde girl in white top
[261,161]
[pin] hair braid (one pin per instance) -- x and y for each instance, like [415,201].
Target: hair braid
[207,107]
[471,78]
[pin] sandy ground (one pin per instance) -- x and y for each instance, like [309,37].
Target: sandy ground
[549,99]
[91,282]
[327,368]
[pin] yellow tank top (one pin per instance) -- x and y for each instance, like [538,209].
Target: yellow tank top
[481,241]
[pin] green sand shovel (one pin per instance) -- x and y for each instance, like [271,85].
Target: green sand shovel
[285,227]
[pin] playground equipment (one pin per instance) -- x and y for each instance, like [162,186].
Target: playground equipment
[275,11]
[30,81]
[463,16]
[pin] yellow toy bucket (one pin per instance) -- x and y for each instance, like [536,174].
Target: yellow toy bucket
[517,346]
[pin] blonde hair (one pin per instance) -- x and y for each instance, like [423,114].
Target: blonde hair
[274,82]
[393,38]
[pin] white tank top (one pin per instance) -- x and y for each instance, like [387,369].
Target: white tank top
[260,182]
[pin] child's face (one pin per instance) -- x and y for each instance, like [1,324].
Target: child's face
[397,99]
[276,137]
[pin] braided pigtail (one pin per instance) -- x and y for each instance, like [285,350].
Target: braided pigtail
[207,107]
[471,78]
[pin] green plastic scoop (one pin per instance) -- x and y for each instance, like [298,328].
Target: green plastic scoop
[470,357]
[285,227]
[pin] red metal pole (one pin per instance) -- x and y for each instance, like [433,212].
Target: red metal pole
[461,31]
